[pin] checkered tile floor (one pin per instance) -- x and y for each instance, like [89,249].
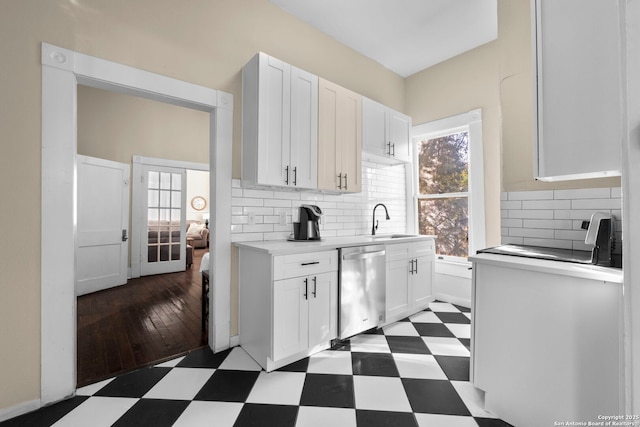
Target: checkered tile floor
[412,373]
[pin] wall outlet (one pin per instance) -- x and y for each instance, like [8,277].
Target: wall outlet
[251,218]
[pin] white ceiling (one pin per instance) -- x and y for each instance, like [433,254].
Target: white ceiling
[405,36]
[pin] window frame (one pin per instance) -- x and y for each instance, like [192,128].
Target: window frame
[472,123]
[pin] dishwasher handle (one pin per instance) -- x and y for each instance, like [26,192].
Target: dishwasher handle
[363,255]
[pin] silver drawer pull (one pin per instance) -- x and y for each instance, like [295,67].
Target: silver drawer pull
[310,263]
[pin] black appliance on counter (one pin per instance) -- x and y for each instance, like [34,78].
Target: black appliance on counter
[308,227]
[600,235]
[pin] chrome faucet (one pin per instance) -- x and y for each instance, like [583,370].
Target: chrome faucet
[374,226]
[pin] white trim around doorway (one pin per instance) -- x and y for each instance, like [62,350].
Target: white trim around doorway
[62,71]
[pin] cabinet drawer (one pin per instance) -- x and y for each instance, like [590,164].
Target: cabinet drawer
[285,266]
[398,251]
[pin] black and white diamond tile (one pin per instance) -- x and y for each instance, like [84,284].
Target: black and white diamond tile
[414,372]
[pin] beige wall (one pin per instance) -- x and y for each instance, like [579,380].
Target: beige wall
[462,84]
[496,77]
[114,126]
[202,41]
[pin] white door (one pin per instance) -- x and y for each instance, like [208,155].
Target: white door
[103,220]
[164,235]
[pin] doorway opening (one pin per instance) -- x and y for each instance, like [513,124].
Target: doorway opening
[156,312]
[62,71]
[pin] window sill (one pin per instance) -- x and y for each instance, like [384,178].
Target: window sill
[454,267]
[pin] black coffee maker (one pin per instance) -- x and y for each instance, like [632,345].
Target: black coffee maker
[307,228]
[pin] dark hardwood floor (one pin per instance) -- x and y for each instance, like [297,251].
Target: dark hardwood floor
[146,321]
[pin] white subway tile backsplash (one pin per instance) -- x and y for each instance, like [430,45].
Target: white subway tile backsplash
[570,234]
[242,201]
[583,193]
[511,204]
[554,224]
[547,243]
[538,233]
[512,222]
[531,195]
[546,204]
[257,194]
[616,193]
[596,204]
[277,203]
[512,240]
[554,218]
[531,214]
[343,214]
[257,228]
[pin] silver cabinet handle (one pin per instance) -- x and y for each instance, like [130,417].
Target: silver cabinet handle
[393,154]
[295,176]
[389,148]
[286,178]
[306,288]
[309,263]
[345,181]
[340,181]
[315,285]
[416,261]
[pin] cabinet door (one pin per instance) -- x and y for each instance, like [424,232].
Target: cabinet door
[339,138]
[350,127]
[328,135]
[290,316]
[274,121]
[399,128]
[304,129]
[422,280]
[397,291]
[321,310]
[374,128]
[578,67]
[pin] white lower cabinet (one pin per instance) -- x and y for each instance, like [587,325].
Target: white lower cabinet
[546,345]
[410,275]
[288,305]
[302,314]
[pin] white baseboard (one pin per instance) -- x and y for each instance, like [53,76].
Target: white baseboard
[20,409]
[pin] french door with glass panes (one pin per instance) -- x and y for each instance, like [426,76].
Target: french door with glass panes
[164,242]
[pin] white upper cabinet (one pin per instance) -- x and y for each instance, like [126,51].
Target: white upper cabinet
[385,133]
[578,109]
[279,124]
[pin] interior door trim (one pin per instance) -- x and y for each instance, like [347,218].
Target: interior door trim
[62,71]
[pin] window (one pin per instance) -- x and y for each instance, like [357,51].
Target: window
[449,184]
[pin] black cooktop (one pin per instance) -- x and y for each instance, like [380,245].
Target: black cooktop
[539,252]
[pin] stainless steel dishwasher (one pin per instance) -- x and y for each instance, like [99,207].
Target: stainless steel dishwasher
[362,289]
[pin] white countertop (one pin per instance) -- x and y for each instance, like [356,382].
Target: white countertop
[587,271]
[285,247]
